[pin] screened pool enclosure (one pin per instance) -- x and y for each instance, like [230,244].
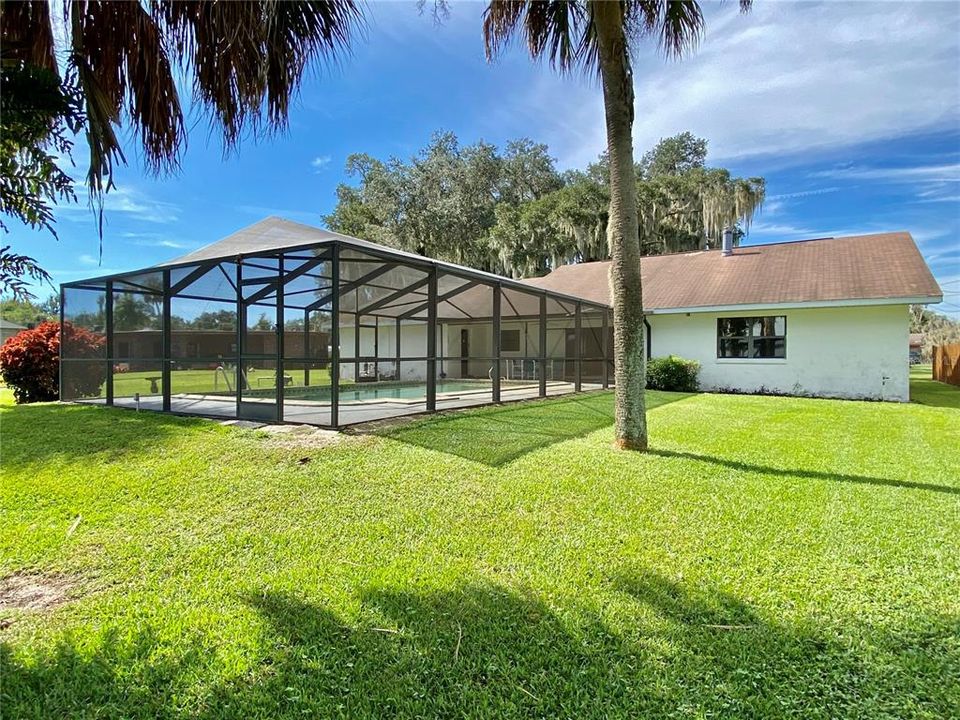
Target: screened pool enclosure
[283,322]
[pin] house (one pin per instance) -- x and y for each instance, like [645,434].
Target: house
[827,317]
[8,330]
[190,346]
[362,332]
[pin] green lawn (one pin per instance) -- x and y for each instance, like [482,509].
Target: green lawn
[770,557]
[209,381]
[927,391]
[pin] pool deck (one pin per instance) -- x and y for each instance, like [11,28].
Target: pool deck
[351,413]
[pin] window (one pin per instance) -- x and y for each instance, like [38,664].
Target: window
[752,337]
[509,341]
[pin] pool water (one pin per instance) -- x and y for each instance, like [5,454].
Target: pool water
[359,393]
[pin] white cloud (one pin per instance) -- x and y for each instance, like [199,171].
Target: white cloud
[803,193]
[786,78]
[87,260]
[944,198]
[917,173]
[126,201]
[320,162]
[155,240]
[83,274]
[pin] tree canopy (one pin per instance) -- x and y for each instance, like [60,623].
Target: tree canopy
[512,212]
[937,328]
[126,64]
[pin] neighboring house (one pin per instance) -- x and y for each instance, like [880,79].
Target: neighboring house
[916,348]
[137,349]
[826,317]
[8,330]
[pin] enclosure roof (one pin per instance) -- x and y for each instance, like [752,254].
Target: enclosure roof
[268,235]
[274,234]
[878,268]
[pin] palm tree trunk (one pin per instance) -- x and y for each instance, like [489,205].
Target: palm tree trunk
[622,229]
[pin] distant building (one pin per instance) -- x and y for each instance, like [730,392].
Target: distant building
[916,348]
[8,330]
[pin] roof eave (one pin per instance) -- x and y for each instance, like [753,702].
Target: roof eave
[799,305]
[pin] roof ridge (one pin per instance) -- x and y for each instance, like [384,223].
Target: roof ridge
[742,247]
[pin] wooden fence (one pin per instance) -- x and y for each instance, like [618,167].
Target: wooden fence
[946,363]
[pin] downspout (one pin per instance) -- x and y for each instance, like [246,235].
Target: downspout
[646,324]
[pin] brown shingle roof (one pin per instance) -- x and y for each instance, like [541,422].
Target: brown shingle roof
[884,266]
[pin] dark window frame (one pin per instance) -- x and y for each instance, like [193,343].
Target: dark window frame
[504,346]
[750,338]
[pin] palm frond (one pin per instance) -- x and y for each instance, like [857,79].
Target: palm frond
[550,28]
[677,24]
[120,62]
[247,59]
[26,34]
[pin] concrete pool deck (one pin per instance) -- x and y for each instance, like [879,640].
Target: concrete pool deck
[351,412]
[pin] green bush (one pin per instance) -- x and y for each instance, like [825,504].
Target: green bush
[673,373]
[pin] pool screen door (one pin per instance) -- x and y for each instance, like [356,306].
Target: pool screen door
[258,370]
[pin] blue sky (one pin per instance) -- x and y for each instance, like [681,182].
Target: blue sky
[850,110]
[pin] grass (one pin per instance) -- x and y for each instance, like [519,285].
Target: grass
[771,557]
[927,391]
[204,381]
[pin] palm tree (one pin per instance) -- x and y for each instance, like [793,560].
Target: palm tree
[243,62]
[600,35]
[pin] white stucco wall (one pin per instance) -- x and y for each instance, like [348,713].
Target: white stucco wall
[846,352]
[414,343]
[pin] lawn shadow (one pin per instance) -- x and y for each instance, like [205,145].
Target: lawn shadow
[488,651]
[127,674]
[38,433]
[926,391]
[499,435]
[809,474]
[752,665]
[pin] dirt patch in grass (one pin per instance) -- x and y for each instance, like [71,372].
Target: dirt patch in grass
[22,591]
[306,437]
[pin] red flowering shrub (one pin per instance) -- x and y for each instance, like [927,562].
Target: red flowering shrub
[30,363]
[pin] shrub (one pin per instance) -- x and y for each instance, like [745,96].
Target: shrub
[30,362]
[673,373]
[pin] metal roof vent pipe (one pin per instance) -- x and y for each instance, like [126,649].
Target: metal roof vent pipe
[727,242]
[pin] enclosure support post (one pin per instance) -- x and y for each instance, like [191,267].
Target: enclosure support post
[605,339]
[432,340]
[497,350]
[335,337]
[63,298]
[108,322]
[165,335]
[396,376]
[578,351]
[356,344]
[306,348]
[241,328]
[542,341]
[279,370]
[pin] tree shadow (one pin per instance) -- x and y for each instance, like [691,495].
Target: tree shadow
[127,674]
[932,393]
[39,433]
[486,651]
[809,474]
[751,665]
[496,436]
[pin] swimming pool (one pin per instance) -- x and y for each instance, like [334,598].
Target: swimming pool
[389,391]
